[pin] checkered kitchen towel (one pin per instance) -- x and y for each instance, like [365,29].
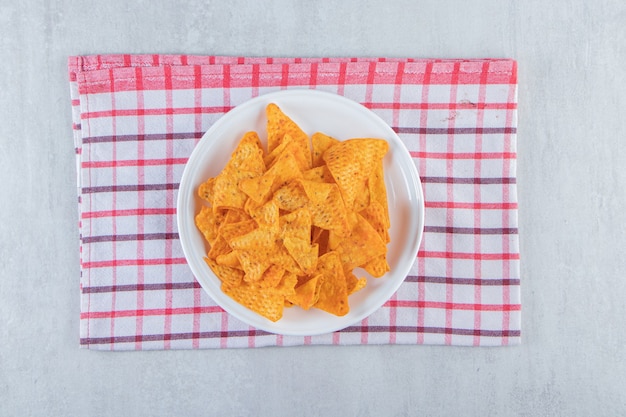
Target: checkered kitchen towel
[137,119]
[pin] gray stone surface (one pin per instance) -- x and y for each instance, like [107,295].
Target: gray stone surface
[572,192]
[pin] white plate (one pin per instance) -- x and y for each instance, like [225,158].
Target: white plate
[341,118]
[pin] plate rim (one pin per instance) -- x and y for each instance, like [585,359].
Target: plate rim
[183,193]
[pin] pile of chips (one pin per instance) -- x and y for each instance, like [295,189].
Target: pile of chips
[289,226]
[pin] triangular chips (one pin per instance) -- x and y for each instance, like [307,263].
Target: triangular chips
[287,227]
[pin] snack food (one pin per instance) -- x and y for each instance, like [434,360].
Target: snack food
[289,225]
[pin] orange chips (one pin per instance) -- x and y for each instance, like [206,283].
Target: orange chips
[289,226]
